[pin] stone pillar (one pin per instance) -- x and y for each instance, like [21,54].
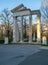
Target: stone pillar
[6,36]
[21,34]
[38,28]
[15,30]
[6,40]
[44,40]
[30,28]
[34,36]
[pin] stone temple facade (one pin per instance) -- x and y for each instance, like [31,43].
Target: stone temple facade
[21,11]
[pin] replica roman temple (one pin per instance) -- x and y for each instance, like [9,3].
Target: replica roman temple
[20,12]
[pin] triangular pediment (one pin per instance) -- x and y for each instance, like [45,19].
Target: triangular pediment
[19,8]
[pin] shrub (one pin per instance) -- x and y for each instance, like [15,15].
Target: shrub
[34,40]
[1,41]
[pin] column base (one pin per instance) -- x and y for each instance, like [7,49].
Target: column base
[39,41]
[6,40]
[13,42]
[30,41]
[21,41]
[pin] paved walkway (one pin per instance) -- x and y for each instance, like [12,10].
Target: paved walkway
[22,55]
[39,58]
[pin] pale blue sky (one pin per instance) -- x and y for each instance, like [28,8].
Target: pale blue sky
[10,4]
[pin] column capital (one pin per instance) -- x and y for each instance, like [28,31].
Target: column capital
[30,15]
[15,17]
[38,15]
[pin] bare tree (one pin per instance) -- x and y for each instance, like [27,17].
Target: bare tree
[6,19]
[44,11]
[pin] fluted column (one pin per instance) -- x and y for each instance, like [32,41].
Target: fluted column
[15,30]
[30,28]
[21,34]
[34,36]
[38,28]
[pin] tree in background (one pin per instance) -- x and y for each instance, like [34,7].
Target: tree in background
[44,13]
[6,19]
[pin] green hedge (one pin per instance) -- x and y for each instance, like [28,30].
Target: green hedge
[34,40]
[47,41]
[1,41]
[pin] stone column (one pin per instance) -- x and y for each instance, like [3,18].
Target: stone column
[34,36]
[30,28]
[38,28]
[21,34]
[15,30]
[44,40]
